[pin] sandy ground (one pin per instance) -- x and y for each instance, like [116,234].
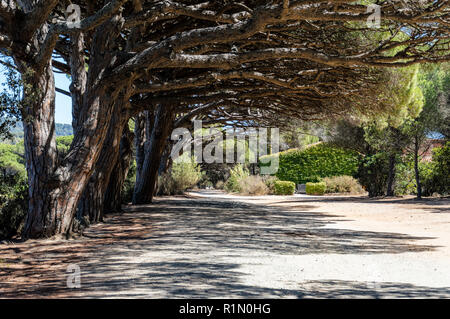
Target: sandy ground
[212,245]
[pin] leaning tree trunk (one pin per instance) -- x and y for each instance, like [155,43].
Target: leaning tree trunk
[113,196]
[55,192]
[55,188]
[391,176]
[91,205]
[147,177]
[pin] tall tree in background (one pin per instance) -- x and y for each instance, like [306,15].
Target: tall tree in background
[388,133]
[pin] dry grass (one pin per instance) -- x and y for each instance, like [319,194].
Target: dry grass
[253,185]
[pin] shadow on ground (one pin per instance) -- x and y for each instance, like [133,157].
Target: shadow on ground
[117,259]
[432,204]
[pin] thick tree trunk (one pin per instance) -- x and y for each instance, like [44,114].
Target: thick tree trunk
[147,177]
[55,188]
[113,196]
[92,202]
[166,160]
[416,167]
[391,176]
[45,209]
[54,193]
[142,132]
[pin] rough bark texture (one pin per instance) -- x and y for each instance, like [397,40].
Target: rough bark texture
[113,196]
[79,77]
[147,177]
[46,207]
[91,205]
[55,188]
[166,160]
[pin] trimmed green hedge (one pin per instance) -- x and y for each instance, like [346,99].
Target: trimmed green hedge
[316,162]
[284,188]
[316,188]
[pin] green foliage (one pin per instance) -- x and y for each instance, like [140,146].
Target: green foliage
[436,175]
[13,207]
[237,173]
[205,183]
[316,188]
[10,97]
[434,80]
[342,184]
[270,183]
[182,176]
[405,182]
[185,175]
[13,189]
[63,144]
[319,161]
[284,188]
[373,173]
[295,136]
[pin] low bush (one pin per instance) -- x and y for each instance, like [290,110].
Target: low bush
[405,179]
[284,188]
[237,173]
[253,185]
[373,173]
[342,184]
[166,185]
[182,176]
[205,183]
[270,183]
[220,184]
[316,188]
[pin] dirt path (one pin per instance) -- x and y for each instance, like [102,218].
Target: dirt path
[211,245]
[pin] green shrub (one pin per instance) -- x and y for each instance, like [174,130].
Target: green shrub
[342,184]
[313,163]
[316,188]
[284,188]
[405,179]
[237,173]
[13,190]
[182,176]
[205,183]
[13,209]
[436,175]
[63,144]
[253,185]
[270,183]
[166,184]
[373,173]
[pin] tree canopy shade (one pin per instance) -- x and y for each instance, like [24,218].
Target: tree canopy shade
[305,58]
